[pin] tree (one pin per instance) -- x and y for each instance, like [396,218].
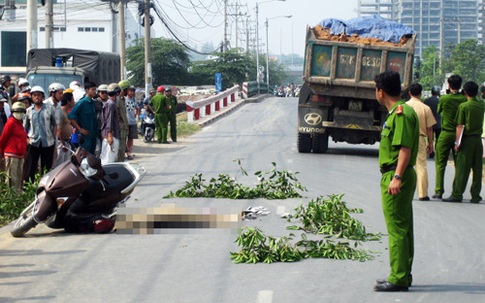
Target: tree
[170,62]
[429,70]
[467,60]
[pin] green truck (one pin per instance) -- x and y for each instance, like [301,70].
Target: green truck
[337,98]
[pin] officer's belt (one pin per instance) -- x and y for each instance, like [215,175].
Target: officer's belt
[386,168]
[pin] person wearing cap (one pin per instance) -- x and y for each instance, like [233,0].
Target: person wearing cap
[83,118]
[170,108]
[123,118]
[131,112]
[13,147]
[55,95]
[155,105]
[40,121]
[78,91]
[110,129]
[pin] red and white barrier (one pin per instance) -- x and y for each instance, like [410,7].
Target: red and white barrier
[208,106]
[245,90]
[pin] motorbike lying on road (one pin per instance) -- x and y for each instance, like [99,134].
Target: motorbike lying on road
[80,195]
[147,126]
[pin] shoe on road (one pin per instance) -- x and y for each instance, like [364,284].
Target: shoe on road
[424,198]
[451,199]
[388,286]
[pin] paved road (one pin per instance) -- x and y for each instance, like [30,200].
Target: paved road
[194,266]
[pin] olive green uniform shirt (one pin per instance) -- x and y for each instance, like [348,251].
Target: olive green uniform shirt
[400,129]
[169,104]
[447,108]
[470,114]
[157,102]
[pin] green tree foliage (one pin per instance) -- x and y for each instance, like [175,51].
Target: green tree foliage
[429,70]
[467,59]
[170,62]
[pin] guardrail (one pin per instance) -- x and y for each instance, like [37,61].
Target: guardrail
[251,89]
[205,107]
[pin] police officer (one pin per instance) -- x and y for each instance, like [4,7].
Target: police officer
[155,105]
[171,114]
[397,155]
[447,108]
[468,145]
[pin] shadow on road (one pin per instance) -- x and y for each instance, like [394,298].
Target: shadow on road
[469,288]
[38,252]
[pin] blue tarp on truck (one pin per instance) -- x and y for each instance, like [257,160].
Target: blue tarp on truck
[368,27]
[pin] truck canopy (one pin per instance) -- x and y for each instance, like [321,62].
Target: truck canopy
[100,67]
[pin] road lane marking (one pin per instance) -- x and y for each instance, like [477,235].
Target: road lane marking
[264,296]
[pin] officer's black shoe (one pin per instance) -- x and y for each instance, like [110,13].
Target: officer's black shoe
[424,198]
[388,286]
[451,199]
[438,196]
[382,281]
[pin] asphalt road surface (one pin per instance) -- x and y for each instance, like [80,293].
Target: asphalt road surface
[193,265]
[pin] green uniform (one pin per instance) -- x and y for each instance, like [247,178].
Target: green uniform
[469,156]
[169,109]
[156,102]
[400,129]
[447,108]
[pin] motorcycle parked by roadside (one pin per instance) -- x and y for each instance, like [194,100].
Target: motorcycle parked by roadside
[80,195]
[147,126]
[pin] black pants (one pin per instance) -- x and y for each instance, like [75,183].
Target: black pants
[46,155]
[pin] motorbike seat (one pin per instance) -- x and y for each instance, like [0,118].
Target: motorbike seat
[116,179]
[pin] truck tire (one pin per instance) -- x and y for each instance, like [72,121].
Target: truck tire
[304,143]
[320,144]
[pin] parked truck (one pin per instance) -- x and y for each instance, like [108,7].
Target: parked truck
[64,65]
[337,98]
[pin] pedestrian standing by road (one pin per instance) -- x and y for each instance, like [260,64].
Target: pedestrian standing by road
[426,146]
[432,102]
[155,106]
[13,147]
[83,118]
[99,101]
[65,129]
[468,145]
[447,108]
[397,155]
[123,118]
[131,112]
[40,121]
[171,115]
[111,127]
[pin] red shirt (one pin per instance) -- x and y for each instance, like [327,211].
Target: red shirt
[13,141]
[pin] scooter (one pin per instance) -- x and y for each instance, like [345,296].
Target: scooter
[80,195]
[148,126]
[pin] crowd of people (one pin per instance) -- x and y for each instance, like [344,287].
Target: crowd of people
[37,129]
[407,139]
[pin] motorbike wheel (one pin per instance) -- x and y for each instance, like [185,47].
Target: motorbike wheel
[24,223]
[148,135]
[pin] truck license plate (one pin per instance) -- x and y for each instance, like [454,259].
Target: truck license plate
[355,106]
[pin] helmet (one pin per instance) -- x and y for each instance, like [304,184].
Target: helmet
[74,85]
[68,91]
[435,90]
[55,87]
[37,89]
[26,89]
[4,79]
[132,88]
[103,88]
[18,107]
[113,88]
[152,91]
[160,89]
[168,89]
[124,84]
[23,82]
[24,96]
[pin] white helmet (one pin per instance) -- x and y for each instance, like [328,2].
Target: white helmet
[36,89]
[23,82]
[55,87]
[74,84]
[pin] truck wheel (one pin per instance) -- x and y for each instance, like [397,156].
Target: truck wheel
[320,144]
[304,143]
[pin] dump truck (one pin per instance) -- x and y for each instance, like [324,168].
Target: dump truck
[64,65]
[337,99]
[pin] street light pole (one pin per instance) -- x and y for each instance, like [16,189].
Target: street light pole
[257,39]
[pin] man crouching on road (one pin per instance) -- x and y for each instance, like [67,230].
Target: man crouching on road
[397,156]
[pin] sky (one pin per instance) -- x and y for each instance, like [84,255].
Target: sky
[201,21]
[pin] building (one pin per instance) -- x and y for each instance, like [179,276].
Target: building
[436,22]
[77,24]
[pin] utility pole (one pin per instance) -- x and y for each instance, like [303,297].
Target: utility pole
[122,39]
[237,15]
[224,46]
[31,25]
[49,23]
[148,51]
